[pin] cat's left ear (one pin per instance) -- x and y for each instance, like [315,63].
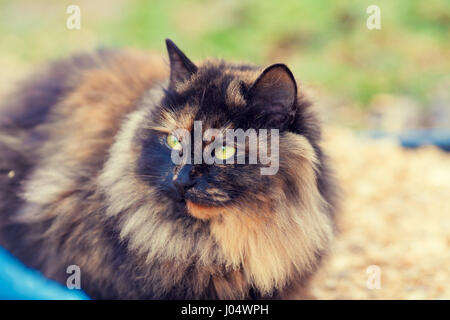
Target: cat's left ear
[272,96]
[181,68]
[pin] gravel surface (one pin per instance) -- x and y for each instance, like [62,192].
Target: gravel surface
[395,216]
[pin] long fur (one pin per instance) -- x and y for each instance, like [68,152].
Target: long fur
[72,144]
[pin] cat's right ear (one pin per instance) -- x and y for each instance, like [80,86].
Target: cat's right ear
[181,68]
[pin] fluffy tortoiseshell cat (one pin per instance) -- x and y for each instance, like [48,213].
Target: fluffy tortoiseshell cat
[87,179]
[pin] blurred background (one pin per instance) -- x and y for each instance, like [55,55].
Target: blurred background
[371,87]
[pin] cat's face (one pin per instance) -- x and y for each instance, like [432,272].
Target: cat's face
[217,95]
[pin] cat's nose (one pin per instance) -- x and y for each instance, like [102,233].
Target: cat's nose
[183,180]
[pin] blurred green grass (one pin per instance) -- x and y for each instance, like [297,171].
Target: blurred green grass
[325,42]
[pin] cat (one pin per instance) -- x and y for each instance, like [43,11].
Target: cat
[86,179]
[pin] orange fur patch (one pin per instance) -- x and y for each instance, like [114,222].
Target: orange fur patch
[204,212]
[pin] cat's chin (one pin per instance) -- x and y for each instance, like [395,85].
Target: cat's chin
[203,212]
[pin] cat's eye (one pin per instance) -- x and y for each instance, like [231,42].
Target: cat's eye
[225,152]
[173,142]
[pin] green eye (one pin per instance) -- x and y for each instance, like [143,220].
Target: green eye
[173,142]
[225,152]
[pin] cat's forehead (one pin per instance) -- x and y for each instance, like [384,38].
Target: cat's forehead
[213,95]
[218,72]
[219,81]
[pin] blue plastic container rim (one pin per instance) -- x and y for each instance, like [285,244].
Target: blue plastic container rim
[18,282]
